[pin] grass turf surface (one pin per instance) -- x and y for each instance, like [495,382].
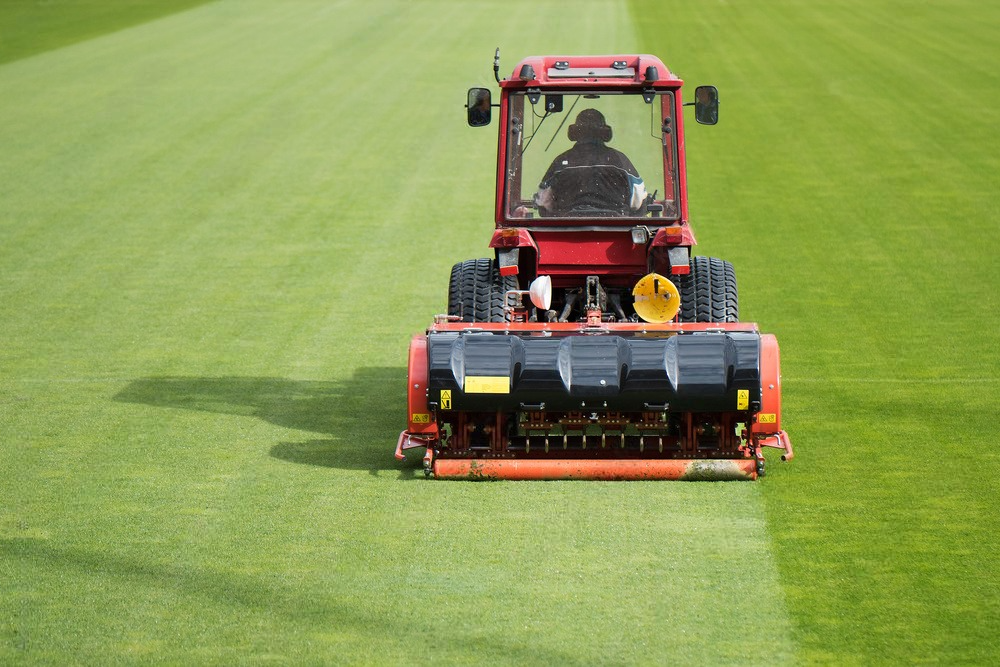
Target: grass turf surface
[861,178]
[28,27]
[219,234]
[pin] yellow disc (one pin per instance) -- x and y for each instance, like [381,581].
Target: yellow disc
[656,298]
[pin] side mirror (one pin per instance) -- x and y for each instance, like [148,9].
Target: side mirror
[706,105]
[479,107]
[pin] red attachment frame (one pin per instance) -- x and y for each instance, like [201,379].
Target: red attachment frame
[728,456]
[420,419]
[596,469]
[767,422]
[578,327]
[780,440]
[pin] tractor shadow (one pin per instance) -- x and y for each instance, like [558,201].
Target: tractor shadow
[358,420]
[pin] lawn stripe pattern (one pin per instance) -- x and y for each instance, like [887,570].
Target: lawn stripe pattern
[852,181]
[220,230]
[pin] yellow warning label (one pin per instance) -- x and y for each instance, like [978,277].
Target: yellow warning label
[767,418]
[487,384]
[446,399]
[742,399]
[420,418]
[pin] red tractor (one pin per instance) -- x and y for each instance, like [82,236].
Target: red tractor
[592,345]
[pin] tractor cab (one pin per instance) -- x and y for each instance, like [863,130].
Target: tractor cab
[584,139]
[591,156]
[590,178]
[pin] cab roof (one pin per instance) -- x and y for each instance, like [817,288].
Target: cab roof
[574,71]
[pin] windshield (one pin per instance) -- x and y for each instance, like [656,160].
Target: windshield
[581,155]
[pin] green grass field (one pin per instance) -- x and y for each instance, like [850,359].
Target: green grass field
[221,222]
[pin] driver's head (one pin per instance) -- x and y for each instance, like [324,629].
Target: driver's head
[590,127]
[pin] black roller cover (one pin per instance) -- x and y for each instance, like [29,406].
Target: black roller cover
[696,372]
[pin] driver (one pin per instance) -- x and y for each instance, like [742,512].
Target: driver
[591,178]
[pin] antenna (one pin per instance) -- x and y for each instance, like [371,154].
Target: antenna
[496,65]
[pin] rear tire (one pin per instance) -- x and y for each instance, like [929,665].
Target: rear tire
[709,293]
[476,291]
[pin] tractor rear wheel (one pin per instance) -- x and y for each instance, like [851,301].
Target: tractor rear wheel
[708,293]
[476,291]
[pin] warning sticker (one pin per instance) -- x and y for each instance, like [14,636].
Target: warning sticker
[446,399]
[742,399]
[487,384]
[767,418]
[420,418]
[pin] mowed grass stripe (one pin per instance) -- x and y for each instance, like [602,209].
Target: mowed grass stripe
[228,234]
[30,27]
[852,180]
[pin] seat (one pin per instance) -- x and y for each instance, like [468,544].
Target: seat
[599,191]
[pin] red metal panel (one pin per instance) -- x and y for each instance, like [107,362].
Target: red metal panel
[501,158]
[589,253]
[419,417]
[681,159]
[768,420]
[579,327]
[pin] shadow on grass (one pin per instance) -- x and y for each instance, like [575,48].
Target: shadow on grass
[361,417]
